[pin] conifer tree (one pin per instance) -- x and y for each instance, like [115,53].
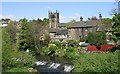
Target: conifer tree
[22,36]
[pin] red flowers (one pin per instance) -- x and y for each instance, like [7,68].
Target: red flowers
[104,48]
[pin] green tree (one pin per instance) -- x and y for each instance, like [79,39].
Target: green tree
[6,49]
[96,38]
[36,29]
[46,38]
[69,24]
[46,21]
[116,26]
[107,21]
[12,58]
[12,30]
[23,34]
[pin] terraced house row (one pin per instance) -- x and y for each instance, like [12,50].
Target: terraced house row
[76,29]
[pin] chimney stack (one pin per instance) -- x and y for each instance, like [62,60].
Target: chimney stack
[94,18]
[100,16]
[81,18]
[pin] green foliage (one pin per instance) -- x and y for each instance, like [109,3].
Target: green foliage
[107,21]
[17,70]
[83,39]
[12,30]
[35,36]
[52,47]
[71,56]
[96,38]
[116,25]
[57,43]
[72,43]
[70,49]
[46,39]
[114,38]
[97,62]
[69,24]
[45,50]
[11,57]
[22,37]
[46,21]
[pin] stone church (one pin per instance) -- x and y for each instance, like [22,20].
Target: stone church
[76,30]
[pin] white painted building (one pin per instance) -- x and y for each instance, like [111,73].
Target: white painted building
[4,22]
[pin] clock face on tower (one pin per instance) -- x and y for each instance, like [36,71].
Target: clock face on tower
[52,16]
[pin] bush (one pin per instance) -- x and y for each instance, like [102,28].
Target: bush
[72,43]
[97,62]
[57,43]
[45,50]
[96,38]
[13,59]
[70,56]
[52,47]
[17,70]
[69,49]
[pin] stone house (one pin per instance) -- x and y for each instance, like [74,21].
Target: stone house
[76,30]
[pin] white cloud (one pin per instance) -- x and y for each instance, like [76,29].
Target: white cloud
[62,21]
[41,18]
[72,17]
[49,8]
[0,16]
[62,18]
[75,16]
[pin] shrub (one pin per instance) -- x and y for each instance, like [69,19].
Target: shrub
[52,47]
[96,38]
[69,49]
[17,70]
[13,59]
[45,50]
[70,55]
[97,62]
[57,43]
[72,43]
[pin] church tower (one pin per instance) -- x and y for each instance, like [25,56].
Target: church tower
[53,19]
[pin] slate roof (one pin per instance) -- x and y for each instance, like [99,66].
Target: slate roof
[105,28]
[62,24]
[62,32]
[84,24]
[80,24]
[94,22]
[58,31]
[53,30]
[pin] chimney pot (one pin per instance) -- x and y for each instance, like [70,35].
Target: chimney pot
[100,16]
[88,18]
